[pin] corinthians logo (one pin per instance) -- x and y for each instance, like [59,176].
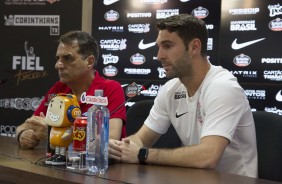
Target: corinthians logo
[52,21]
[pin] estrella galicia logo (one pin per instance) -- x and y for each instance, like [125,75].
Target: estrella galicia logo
[200,12]
[242,60]
[275,25]
[137,59]
[111,16]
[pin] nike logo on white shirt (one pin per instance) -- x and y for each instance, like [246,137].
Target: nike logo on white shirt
[145,46]
[237,46]
[109,2]
[178,115]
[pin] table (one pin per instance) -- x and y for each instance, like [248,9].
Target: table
[19,166]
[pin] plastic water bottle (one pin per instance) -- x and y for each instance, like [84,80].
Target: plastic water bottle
[97,136]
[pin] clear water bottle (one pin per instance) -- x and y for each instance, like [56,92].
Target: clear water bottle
[97,136]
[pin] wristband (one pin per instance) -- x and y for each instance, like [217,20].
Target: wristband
[19,134]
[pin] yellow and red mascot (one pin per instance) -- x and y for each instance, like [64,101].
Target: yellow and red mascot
[61,113]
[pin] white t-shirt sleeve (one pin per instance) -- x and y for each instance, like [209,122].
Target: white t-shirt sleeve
[158,119]
[224,105]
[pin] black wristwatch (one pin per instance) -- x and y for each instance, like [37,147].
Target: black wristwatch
[143,155]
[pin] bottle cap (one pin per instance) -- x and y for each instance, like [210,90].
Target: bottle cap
[99,92]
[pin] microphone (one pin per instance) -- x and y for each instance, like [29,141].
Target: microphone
[133,85]
[3,80]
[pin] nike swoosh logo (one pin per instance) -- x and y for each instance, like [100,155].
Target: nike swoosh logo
[109,2]
[237,46]
[143,46]
[178,115]
[279,96]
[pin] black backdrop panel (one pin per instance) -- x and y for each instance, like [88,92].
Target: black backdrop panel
[29,33]
[122,26]
[250,47]
[251,23]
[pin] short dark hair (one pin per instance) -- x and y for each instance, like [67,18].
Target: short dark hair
[87,43]
[187,28]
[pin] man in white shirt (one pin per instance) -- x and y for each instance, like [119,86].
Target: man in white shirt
[204,103]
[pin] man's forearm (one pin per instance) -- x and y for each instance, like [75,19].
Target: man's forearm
[115,125]
[182,157]
[204,155]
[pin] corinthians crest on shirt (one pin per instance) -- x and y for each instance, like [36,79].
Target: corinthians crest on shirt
[179,95]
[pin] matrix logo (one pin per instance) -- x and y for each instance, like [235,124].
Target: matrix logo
[245,74]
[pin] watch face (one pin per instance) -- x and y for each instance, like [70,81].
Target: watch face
[143,153]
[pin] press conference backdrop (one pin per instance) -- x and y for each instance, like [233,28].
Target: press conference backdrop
[250,47]
[29,31]
[244,38]
[126,33]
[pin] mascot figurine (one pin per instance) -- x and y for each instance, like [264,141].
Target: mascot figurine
[61,113]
